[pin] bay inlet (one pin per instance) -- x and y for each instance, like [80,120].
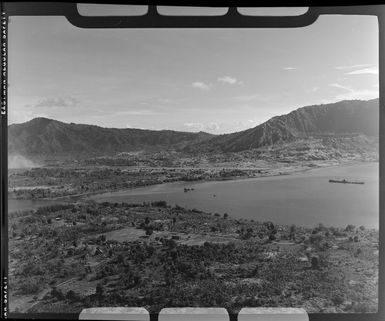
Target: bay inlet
[304,199]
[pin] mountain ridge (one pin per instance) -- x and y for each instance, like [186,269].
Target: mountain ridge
[50,137]
[43,137]
[344,117]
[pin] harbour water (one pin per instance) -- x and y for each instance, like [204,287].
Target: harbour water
[305,198]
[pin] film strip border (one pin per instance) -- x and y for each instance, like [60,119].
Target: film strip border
[4,35]
[152,20]
[3,160]
[195,314]
[181,314]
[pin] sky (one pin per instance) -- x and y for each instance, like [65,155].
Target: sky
[213,80]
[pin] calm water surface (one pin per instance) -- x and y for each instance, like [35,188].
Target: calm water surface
[303,198]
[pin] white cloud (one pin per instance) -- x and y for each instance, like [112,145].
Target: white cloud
[364,71]
[140,112]
[352,93]
[341,86]
[359,94]
[213,126]
[57,102]
[201,85]
[250,123]
[229,80]
[167,100]
[246,98]
[315,88]
[353,66]
[194,126]
[360,69]
[288,68]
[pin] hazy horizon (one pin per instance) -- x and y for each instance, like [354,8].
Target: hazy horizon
[213,80]
[77,123]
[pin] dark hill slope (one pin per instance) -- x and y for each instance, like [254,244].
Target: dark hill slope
[345,117]
[47,137]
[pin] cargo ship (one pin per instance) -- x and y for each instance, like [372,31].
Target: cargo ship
[344,181]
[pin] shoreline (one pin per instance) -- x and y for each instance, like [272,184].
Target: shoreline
[274,172]
[240,178]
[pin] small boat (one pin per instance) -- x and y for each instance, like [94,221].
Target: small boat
[344,181]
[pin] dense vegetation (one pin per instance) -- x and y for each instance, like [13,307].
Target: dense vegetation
[80,255]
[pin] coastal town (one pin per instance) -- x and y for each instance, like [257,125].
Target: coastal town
[68,178]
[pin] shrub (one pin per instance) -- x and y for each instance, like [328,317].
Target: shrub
[337,298]
[58,294]
[361,307]
[323,259]
[339,234]
[248,234]
[159,204]
[350,228]
[72,296]
[323,246]
[30,286]
[315,238]
[269,225]
[99,290]
[292,232]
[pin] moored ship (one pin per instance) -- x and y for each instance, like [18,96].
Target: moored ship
[344,181]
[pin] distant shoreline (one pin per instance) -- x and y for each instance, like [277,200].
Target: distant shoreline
[165,192]
[240,178]
[272,172]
